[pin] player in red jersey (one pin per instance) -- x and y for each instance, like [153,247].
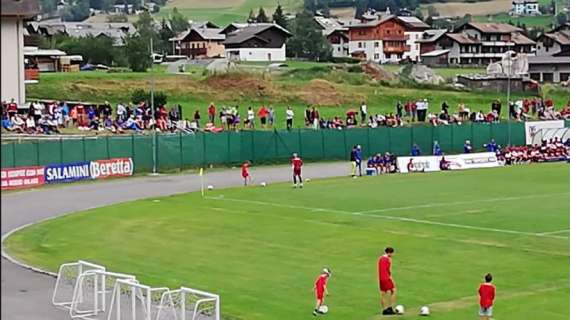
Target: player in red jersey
[296,164]
[321,289]
[386,283]
[245,172]
[486,298]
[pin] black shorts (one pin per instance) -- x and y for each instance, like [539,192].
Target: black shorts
[263,120]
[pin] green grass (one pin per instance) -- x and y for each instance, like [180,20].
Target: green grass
[261,248]
[234,13]
[543,21]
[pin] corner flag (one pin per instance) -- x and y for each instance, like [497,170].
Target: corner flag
[202,181]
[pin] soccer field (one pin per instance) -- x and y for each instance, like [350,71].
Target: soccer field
[261,248]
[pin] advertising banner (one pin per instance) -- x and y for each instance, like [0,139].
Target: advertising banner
[71,172]
[532,128]
[22,177]
[456,162]
[117,167]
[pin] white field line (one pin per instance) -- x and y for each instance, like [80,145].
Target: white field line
[404,219]
[555,232]
[456,203]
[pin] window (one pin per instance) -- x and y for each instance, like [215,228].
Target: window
[376,44]
[360,44]
[564,76]
[376,56]
[387,31]
[192,46]
[417,46]
[364,44]
[547,77]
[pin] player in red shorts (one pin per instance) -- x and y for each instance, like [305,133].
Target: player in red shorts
[296,164]
[387,286]
[321,289]
[245,172]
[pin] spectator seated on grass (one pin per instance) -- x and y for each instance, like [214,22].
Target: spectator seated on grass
[210,127]
[131,124]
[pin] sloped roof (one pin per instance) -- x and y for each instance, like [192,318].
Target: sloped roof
[461,38]
[494,27]
[204,33]
[27,8]
[327,23]
[251,31]
[35,52]
[435,53]
[548,60]
[414,22]
[520,38]
[372,23]
[432,35]
[561,37]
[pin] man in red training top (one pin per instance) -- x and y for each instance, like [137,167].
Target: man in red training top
[245,172]
[296,164]
[486,298]
[321,289]
[387,286]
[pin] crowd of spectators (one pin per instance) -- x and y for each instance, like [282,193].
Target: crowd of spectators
[552,150]
[50,117]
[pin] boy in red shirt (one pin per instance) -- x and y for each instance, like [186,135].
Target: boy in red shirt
[296,164]
[245,172]
[486,298]
[386,283]
[321,289]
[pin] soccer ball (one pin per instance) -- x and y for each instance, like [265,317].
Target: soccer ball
[399,309]
[308,179]
[263,184]
[210,187]
[323,309]
[424,311]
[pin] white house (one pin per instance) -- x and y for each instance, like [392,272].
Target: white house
[415,29]
[12,68]
[256,42]
[525,8]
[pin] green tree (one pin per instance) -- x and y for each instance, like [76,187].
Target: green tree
[178,21]
[137,52]
[307,41]
[279,17]
[432,11]
[93,49]
[361,7]
[251,18]
[164,35]
[78,11]
[48,6]
[145,26]
[261,16]
[561,18]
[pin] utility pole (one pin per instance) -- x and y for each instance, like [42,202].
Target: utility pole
[154,171]
[509,70]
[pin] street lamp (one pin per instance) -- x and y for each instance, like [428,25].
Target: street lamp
[154,156]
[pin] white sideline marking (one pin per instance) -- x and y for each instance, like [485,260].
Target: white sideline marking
[369,214]
[455,203]
[555,232]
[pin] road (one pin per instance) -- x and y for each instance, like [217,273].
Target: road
[26,295]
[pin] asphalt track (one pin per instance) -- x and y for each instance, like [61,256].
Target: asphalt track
[26,295]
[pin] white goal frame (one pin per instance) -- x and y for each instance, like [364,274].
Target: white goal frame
[99,279]
[173,304]
[59,297]
[141,301]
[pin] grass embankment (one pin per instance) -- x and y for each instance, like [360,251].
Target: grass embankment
[334,90]
[261,248]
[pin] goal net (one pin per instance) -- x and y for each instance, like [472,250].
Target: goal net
[189,304]
[67,277]
[93,293]
[550,133]
[134,301]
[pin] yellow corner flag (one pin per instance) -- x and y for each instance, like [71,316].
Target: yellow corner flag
[201,172]
[202,181]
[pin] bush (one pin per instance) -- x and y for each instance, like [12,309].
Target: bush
[140,95]
[344,60]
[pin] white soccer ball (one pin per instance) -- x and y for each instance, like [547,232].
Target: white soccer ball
[308,179]
[399,309]
[323,309]
[263,184]
[424,311]
[210,187]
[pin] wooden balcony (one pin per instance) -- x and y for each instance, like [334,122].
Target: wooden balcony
[396,49]
[32,74]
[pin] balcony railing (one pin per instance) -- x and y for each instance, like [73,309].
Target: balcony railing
[32,74]
[396,49]
[193,52]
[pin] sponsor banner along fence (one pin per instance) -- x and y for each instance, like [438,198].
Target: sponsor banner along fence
[28,177]
[22,177]
[456,162]
[178,151]
[534,128]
